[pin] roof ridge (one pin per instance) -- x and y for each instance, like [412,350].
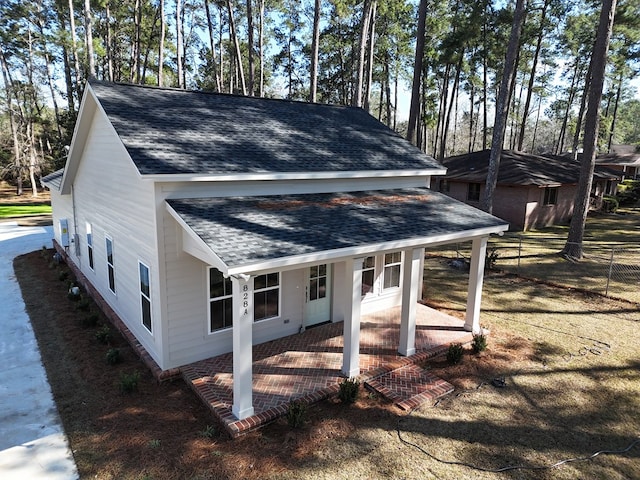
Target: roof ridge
[94,81]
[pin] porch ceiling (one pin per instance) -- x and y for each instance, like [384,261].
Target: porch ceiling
[250,234]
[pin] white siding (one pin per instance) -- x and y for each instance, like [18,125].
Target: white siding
[279,187]
[108,193]
[186,293]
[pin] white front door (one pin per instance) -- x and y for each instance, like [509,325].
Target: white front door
[318,295]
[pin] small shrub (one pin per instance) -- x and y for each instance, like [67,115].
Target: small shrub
[210,431]
[155,443]
[349,389]
[52,265]
[83,305]
[90,320]
[296,413]
[63,275]
[610,204]
[455,353]
[129,382]
[113,356]
[491,258]
[104,335]
[479,343]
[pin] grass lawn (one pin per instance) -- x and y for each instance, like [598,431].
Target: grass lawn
[535,254]
[12,211]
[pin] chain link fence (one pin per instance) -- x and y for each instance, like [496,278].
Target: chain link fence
[608,269]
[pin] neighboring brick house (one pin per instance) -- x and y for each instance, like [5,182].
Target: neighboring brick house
[532,191]
[207,223]
[624,159]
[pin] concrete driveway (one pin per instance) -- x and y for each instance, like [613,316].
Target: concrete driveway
[32,441]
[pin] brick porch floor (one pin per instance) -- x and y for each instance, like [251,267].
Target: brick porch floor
[307,366]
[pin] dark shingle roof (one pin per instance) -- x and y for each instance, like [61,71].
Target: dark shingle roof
[54,179]
[621,159]
[169,131]
[518,168]
[247,230]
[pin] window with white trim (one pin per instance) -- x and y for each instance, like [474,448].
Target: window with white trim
[266,296]
[368,275]
[220,301]
[110,265]
[90,245]
[145,295]
[391,272]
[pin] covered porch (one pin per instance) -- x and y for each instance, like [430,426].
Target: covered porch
[308,366]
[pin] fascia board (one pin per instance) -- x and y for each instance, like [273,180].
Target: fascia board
[298,261]
[294,175]
[195,246]
[79,139]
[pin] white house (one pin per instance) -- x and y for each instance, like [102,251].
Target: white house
[208,223]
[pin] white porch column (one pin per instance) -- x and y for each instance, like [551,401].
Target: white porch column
[351,349]
[242,347]
[411,287]
[476,277]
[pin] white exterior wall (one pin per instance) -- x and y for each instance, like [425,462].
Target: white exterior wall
[186,295]
[108,193]
[284,187]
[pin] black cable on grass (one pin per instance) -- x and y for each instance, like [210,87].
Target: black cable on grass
[514,467]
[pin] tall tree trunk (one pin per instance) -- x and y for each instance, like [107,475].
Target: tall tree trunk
[372,43]
[163,28]
[364,34]
[573,247]
[502,107]
[414,109]
[88,34]
[236,43]
[472,91]
[179,43]
[261,46]
[315,45]
[252,69]
[109,42]
[615,113]
[449,109]
[532,75]
[17,148]
[149,45]
[138,40]
[212,45]
[567,112]
[66,64]
[583,106]
[74,50]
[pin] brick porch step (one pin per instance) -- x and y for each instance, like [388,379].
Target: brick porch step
[409,386]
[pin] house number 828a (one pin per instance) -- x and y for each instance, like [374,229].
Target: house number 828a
[245,298]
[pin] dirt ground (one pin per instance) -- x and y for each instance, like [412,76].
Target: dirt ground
[162,430]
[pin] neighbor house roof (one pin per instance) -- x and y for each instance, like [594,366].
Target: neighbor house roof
[619,159]
[519,168]
[171,132]
[252,233]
